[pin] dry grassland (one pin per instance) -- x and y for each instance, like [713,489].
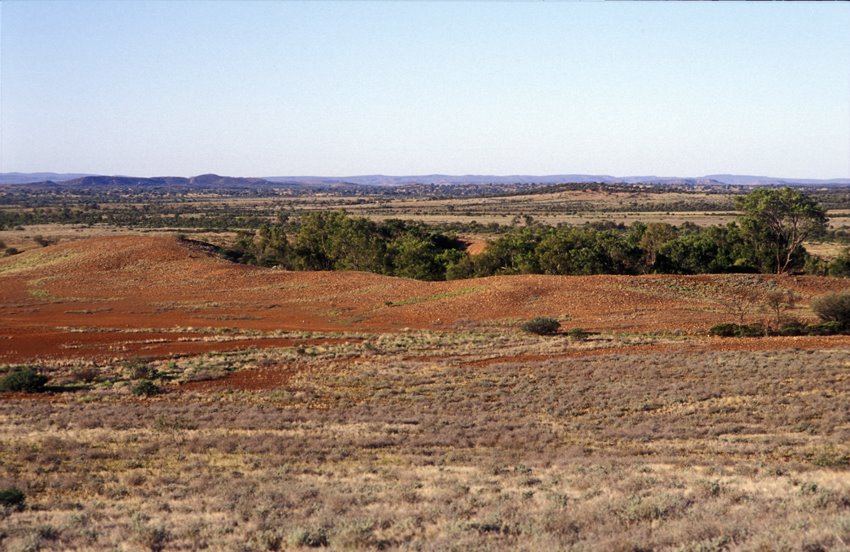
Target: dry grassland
[299,412]
[440,441]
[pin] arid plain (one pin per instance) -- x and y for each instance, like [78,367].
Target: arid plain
[351,410]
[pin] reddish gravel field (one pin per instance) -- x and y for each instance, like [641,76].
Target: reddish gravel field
[155,296]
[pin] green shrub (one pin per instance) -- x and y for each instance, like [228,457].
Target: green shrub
[12,497]
[794,328]
[146,388]
[825,328]
[542,325]
[752,330]
[724,330]
[834,307]
[738,330]
[23,379]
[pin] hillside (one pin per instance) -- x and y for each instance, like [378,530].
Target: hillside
[136,282]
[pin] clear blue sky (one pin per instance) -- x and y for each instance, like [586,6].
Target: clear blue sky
[296,88]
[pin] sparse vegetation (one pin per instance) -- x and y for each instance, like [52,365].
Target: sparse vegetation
[42,241]
[546,452]
[140,369]
[578,334]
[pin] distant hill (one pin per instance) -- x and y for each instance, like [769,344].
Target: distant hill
[200,181]
[26,178]
[444,179]
[217,181]
[745,180]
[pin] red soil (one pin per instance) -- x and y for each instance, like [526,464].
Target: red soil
[29,343]
[159,283]
[476,246]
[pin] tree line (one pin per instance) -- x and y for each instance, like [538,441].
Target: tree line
[767,238]
[336,241]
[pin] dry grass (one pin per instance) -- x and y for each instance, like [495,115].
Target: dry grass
[457,440]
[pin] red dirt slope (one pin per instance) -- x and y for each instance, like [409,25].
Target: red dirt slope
[126,283]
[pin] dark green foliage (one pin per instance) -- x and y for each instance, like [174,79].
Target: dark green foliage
[336,241]
[727,329]
[23,380]
[825,328]
[268,246]
[840,266]
[542,325]
[738,330]
[12,497]
[835,308]
[514,253]
[651,238]
[146,388]
[586,250]
[9,251]
[792,328]
[717,249]
[561,250]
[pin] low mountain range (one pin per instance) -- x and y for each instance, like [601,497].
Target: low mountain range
[216,181]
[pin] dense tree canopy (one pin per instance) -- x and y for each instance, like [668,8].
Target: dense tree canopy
[336,241]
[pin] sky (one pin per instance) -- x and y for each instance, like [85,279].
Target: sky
[324,88]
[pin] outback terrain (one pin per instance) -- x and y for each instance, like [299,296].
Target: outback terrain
[355,411]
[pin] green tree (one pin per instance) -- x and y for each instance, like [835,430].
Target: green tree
[513,253]
[653,239]
[585,250]
[777,222]
[270,246]
[712,250]
[335,241]
[415,257]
